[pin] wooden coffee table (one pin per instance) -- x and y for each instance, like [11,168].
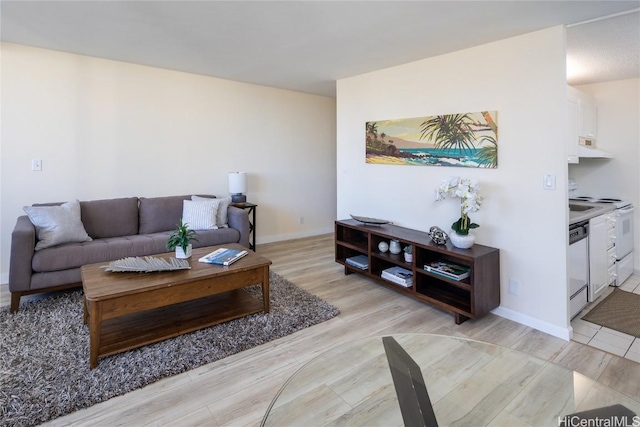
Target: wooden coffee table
[129,310]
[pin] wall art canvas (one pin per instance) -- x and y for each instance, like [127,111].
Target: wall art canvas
[463,140]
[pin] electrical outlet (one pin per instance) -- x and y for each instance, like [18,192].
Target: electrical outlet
[514,287]
[36,164]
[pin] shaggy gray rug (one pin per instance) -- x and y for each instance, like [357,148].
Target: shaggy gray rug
[44,351]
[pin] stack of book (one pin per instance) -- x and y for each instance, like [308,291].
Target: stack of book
[448,269]
[223,256]
[399,276]
[359,261]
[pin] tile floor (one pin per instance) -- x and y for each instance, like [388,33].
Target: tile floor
[606,339]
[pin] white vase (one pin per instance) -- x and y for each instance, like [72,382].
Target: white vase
[394,247]
[180,254]
[461,241]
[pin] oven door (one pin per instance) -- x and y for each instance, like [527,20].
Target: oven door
[578,268]
[624,232]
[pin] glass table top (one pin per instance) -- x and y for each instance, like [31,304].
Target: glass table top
[469,383]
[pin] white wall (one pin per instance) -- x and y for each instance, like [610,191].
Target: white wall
[618,124]
[523,78]
[111,129]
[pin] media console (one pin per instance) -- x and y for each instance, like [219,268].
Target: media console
[468,298]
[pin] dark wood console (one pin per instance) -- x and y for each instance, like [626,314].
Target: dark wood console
[469,298]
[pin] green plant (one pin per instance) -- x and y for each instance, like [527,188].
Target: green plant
[408,249]
[181,236]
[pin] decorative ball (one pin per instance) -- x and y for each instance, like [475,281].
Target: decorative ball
[438,236]
[383,246]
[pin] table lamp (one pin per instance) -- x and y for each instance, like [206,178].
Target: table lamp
[238,186]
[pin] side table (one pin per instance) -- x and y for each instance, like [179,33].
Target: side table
[251,210]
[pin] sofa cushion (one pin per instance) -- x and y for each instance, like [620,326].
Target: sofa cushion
[160,213]
[111,217]
[56,225]
[75,255]
[100,250]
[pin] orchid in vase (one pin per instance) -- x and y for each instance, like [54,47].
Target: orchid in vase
[468,190]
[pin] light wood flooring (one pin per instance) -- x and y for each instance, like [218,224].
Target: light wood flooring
[236,391]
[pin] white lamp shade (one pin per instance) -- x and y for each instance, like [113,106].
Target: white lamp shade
[237,182]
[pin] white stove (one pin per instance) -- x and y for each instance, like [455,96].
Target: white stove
[621,240]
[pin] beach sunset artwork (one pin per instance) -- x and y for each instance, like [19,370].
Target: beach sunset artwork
[463,140]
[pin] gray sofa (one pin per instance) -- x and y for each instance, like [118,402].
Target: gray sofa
[119,228]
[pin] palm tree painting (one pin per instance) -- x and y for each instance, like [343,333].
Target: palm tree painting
[463,140]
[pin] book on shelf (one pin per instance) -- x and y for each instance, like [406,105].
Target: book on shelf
[398,275]
[223,256]
[358,261]
[448,269]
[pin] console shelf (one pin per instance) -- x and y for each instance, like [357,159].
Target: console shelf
[469,298]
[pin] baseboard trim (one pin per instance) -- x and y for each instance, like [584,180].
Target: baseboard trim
[547,328]
[281,237]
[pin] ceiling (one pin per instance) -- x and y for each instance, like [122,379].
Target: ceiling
[307,45]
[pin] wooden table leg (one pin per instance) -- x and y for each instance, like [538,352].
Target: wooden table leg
[265,289]
[95,319]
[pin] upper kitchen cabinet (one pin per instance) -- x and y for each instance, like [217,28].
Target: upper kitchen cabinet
[587,112]
[572,129]
[582,126]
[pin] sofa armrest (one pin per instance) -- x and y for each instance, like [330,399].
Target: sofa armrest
[23,243]
[239,219]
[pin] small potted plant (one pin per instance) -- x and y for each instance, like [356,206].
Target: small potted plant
[180,240]
[408,253]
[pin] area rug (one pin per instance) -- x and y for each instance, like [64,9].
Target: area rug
[44,351]
[619,311]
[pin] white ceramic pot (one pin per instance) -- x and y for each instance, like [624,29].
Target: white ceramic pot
[408,257]
[394,247]
[180,254]
[461,241]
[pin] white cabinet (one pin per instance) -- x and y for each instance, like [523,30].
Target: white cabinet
[598,256]
[587,116]
[581,121]
[572,131]
[587,112]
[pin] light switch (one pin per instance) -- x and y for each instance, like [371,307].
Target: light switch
[36,164]
[549,181]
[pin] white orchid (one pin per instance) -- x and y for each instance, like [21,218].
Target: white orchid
[468,190]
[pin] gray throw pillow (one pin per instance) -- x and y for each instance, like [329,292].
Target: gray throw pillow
[56,225]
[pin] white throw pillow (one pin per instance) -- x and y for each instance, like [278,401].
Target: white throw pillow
[56,225]
[222,220]
[200,215]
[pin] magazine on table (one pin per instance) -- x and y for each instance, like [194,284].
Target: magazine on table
[448,269]
[223,256]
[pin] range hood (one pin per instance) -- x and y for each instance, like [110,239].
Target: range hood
[594,153]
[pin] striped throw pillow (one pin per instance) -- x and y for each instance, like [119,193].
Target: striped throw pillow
[200,215]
